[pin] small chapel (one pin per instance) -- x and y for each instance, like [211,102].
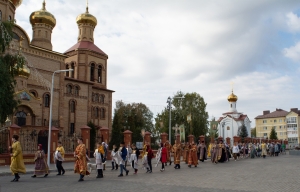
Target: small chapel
[231,122]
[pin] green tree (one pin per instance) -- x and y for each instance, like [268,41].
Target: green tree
[10,65]
[93,135]
[273,134]
[253,132]
[242,132]
[116,134]
[134,117]
[193,104]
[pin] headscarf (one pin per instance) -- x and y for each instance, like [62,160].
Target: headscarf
[40,146]
[104,145]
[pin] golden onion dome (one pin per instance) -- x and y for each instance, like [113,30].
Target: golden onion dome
[42,16]
[232,97]
[86,18]
[16,3]
[24,72]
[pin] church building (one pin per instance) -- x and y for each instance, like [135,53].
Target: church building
[232,121]
[81,95]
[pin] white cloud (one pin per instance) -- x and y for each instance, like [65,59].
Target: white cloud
[293,22]
[293,52]
[158,47]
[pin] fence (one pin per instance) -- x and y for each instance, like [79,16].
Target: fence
[68,141]
[29,140]
[4,140]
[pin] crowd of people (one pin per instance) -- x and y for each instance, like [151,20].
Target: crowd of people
[192,153]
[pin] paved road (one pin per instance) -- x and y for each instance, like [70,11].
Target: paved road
[271,174]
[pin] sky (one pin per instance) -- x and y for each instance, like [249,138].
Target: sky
[157,48]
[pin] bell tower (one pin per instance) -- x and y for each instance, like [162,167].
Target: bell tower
[42,23]
[86,24]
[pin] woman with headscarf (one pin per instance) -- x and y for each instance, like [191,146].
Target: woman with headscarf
[80,163]
[17,164]
[41,167]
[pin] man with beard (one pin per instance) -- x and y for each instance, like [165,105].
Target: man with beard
[214,152]
[222,152]
[193,160]
[202,151]
[177,154]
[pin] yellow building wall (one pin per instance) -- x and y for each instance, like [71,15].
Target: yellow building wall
[271,122]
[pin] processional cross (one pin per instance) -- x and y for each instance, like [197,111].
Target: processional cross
[176,129]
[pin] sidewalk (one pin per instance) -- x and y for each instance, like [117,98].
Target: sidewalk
[68,166]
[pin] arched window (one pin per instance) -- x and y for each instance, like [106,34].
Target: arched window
[100,74]
[69,89]
[96,112]
[0,15]
[34,93]
[73,72]
[101,99]
[21,116]
[93,97]
[67,73]
[76,91]
[92,72]
[102,113]
[47,100]
[96,98]
[72,106]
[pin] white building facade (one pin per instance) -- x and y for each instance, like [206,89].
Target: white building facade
[232,120]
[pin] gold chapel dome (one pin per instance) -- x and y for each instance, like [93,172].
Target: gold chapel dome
[42,16]
[86,18]
[232,97]
[16,3]
[24,72]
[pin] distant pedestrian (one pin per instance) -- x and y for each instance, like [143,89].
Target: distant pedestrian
[283,148]
[150,155]
[276,149]
[105,147]
[122,159]
[81,160]
[134,157]
[17,164]
[263,149]
[235,151]
[58,159]
[41,166]
[59,166]
[99,161]
[163,157]
[114,156]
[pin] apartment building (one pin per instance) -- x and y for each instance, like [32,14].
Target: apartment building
[285,123]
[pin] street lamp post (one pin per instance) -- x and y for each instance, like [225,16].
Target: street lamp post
[50,116]
[169,101]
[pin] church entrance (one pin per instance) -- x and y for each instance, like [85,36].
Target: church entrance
[43,140]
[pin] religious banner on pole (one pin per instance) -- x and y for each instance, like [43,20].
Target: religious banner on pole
[182,133]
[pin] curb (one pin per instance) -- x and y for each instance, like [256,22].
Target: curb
[31,172]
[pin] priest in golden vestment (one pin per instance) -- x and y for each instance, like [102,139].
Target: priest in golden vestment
[214,152]
[17,164]
[80,163]
[177,154]
[222,152]
[193,160]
